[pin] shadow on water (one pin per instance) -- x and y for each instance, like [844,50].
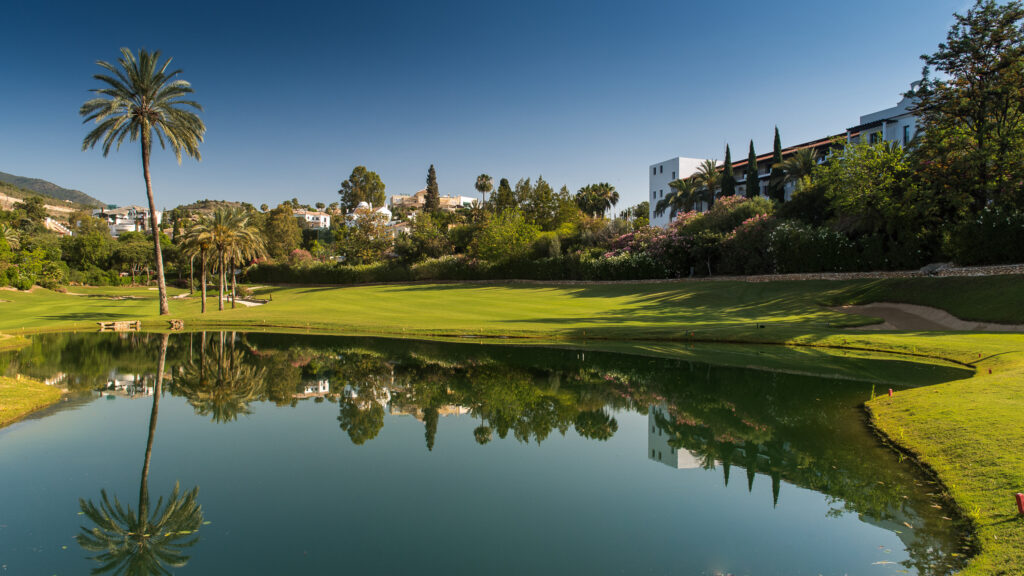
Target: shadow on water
[798,421]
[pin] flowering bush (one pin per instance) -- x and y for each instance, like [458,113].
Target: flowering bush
[745,249]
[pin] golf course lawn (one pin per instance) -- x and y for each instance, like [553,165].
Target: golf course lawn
[19,396]
[970,432]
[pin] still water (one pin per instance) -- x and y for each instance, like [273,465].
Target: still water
[283,454]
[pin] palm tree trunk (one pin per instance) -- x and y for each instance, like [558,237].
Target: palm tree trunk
[191,275]
[233,282]
[157,391]
[202,264]
[161,287]
[221,289]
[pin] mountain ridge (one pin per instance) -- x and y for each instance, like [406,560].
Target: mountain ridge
[50,190]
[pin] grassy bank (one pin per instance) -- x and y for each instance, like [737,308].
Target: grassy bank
[19,396]
[971,432]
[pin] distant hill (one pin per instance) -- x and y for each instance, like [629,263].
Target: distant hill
[49,189]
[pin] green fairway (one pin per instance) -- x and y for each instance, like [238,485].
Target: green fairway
[649,310]
[970,431]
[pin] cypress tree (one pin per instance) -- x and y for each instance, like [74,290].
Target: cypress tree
[728,178]
[753,181]
[432,202]
[776,184]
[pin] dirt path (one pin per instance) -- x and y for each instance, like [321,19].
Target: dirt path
[924,318]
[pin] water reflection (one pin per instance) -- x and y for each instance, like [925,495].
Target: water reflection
[148,540]
[787,429]
[220,383]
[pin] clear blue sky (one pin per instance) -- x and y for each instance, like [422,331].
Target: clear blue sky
[297,94]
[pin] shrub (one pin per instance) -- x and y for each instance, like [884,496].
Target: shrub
[745,249]
[299,256]
[547,245]
[994,236]
[795,247]
[728,213]
[507,236]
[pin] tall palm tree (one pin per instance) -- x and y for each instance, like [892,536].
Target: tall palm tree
[484,184]
[799,165]
[196,242]
[709,179]
[682,198]
[246,245]
[142,543]
[142,99]
[10,235]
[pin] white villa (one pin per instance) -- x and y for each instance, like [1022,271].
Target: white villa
[127,219]
[364,209]
[313,220]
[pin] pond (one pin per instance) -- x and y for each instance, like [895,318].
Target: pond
[232,453]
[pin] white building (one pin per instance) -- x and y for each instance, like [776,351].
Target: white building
[127,219]
[364,209]
[657,444]
[313,220]
[897,124]
[660,175]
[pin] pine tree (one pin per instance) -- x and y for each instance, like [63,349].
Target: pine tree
[432,202]
[776,181]
[728,178]
[753,181]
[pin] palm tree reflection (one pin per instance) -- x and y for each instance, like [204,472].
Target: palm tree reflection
[221,385]
[147,541]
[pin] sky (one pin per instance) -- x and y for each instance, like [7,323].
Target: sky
[297,94]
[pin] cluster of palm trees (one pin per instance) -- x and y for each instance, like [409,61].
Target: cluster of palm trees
[220,240]
[705,184]
[596,199]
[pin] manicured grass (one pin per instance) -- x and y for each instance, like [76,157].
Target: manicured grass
[981,299]
[970,431]
[19,396]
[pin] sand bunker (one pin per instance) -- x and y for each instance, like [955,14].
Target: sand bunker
[923,318]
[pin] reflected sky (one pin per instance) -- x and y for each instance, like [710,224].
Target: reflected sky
[319,454]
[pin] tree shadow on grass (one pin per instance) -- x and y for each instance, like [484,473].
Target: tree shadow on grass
[98,316]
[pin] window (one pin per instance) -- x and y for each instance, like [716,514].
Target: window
[661,194]
[673,175]
[874,138]
[906,135]
[661,169]
[654,171]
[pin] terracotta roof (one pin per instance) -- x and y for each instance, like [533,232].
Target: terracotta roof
[820,143]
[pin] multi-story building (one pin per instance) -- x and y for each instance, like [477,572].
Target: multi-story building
[897,124]
[660,175]
[127,219]
[765,162]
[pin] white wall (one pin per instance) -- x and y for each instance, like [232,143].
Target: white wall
[659,175]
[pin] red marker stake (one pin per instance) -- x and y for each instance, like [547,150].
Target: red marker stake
[1020,503]
[890,392]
